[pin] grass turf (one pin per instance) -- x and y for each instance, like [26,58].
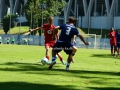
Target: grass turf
[92,70]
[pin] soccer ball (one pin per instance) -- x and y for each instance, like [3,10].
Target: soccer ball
[44,61]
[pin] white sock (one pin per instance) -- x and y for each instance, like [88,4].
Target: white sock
[68,64]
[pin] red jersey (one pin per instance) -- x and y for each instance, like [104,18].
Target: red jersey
[112,36]
[48,32]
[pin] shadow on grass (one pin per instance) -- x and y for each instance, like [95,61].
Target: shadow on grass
[32,86]
[104,56]
[104,88]
[40,69]
[90,72]
[16,66]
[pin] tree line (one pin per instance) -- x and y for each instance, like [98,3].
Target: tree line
[36,13]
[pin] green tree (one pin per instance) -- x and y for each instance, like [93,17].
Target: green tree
[41,9]
[6,22]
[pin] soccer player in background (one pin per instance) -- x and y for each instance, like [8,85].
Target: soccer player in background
[0,40]
[64,42]
[8,40]
[49,42]
[112,37]
[13,40]
[118,42]
[25,42]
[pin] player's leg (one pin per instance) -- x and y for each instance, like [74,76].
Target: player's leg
[61,59]
[118,51]
[70,58]
[55,50]
[74,51]
[111,50]
[47,47]
[54,53]
[115,49]
[69,51]
[47,54]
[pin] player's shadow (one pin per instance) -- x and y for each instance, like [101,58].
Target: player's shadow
[104,56]
[77,72]
[32,86]
[24,67]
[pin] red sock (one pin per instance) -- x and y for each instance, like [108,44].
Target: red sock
[61,58]
[48,57]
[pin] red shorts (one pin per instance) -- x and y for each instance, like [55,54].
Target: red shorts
[112,44]
[50,44]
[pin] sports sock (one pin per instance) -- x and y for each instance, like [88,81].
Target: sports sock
[54,59]
[56,56]
[61,58]
[48,57]
[68,64]
[111,52]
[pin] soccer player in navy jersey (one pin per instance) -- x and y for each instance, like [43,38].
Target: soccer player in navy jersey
[64,42]
[118,42]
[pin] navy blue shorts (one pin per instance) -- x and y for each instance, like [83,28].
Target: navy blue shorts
[66,46]
[118,45]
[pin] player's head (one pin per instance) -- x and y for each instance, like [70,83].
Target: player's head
[72,20]
[50,20]
[67,22]
[119,30]
[112,29]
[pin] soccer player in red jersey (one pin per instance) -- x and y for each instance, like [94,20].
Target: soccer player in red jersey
[48,33]
[112,36]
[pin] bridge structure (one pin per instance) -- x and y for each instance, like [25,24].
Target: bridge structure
[76,8]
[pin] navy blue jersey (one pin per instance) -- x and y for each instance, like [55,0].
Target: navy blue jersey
[118,37]
[67,32]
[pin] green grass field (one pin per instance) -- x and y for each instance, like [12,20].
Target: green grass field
[93,70]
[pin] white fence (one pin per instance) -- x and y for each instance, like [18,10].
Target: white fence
[98,43]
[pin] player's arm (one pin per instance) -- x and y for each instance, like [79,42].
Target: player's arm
[55,30]
[73,39]
[81,37]
[57,35]
[38,28]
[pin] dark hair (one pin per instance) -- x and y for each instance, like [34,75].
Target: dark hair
[67,22]
[72,20]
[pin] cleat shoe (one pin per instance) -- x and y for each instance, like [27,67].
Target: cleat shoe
[51,65]
[48,63]
[63,62]
[67,69]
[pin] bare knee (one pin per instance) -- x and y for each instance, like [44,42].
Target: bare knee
[74,49]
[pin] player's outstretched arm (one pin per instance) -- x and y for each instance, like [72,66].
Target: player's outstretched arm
[81,37]
[38,28]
